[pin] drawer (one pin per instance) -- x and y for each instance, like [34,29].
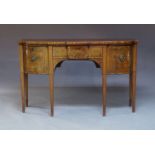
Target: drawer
[95,52]
[59,52]
[37,60]
[78,52]
[118,59]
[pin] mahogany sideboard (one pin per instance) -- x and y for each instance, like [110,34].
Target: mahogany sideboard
[112,56]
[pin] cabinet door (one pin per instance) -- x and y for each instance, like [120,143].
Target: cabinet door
[118,59]
[37,60]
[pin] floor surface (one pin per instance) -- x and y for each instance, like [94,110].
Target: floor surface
[77,108]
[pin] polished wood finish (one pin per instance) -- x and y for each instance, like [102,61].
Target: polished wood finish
[26,88]
[112,56]
[78,52]
[133,77]
[22,75]
[60,52]
[51,79]
[37,60]
[104,78]
[118,58]
[95,52]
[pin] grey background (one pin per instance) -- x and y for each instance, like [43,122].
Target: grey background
[77,108]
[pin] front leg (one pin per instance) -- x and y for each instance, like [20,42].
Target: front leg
[51,80]
[133,77]
[26,89]
[104,80]
[22,79]
[22,76]
[104,93]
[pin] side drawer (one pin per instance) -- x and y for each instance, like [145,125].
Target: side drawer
[37,60]
[118,59]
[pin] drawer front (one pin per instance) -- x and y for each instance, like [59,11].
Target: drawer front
[118,59]
[78,52]
[60,52]
[95,52]
[37,60]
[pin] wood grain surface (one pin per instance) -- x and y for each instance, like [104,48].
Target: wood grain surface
[112,56]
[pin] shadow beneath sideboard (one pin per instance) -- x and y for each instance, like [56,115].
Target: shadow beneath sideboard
[117,96]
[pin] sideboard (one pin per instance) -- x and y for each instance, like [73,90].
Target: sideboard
[112,56]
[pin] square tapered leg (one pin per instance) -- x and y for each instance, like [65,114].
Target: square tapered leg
[104,80]
[104,94]
[132,77]
[26,89]
[51,81]
[22,79]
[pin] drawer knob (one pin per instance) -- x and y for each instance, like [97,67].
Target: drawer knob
[34,58]
[122,58]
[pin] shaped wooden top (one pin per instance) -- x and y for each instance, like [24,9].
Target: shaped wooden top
[66,42]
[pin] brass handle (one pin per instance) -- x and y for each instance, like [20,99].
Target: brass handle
[34,58]
[122,58]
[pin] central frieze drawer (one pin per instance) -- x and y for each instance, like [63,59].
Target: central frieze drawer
[78,52]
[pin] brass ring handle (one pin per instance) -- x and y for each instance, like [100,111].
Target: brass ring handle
[122,58]
[34,58]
